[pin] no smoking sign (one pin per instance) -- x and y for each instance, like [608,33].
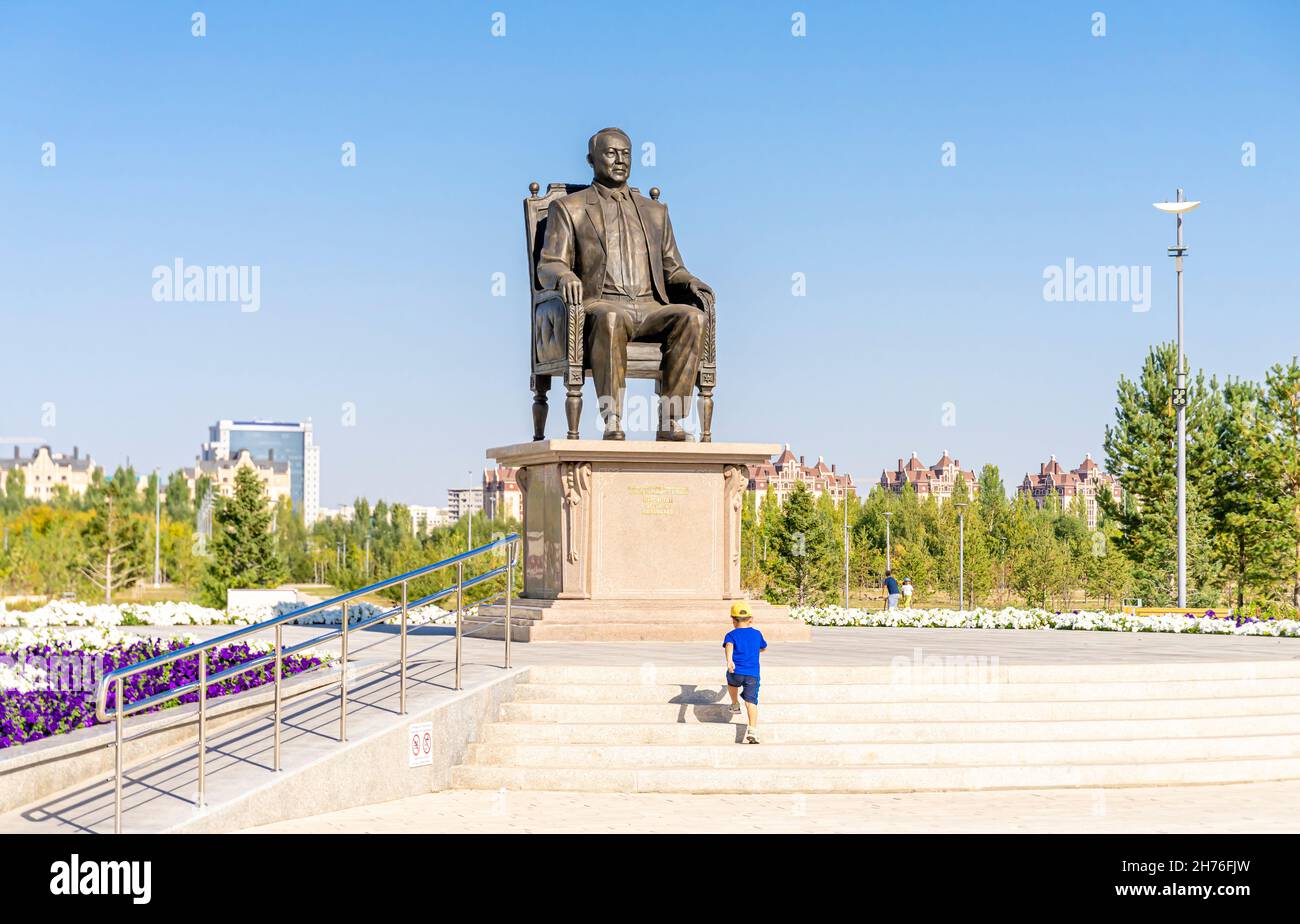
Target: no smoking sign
[419,744]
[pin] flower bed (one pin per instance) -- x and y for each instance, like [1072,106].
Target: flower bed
[1205,623]
[359,612]
[103,615]
[48,676]
[68,613]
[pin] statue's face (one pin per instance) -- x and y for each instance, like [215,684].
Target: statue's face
[612,160]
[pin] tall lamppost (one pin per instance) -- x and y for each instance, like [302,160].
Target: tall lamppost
[961,555]
[157,527]
[1178,208]
[469,513]
[846,548]
[888,565]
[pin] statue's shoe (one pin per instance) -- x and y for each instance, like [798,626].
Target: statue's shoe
[614,435]
[675,435]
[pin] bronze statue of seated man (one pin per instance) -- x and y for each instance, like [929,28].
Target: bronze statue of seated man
[612,251]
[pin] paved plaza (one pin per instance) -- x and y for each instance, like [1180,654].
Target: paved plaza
[829,647]
[1256,807]
[159,793]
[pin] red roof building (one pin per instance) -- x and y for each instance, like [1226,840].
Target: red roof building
[787,471]
[937,481]
[501,495]
[1084,482]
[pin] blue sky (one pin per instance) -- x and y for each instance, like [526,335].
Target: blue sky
[776,155]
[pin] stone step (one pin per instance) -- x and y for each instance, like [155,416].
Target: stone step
[719,623]
[659,607]
[720,733]
[841,712]
[714,691]
[651,620]
[960,754]
[921,670]
[874,779]
[651,631]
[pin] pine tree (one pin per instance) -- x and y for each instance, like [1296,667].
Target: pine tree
[804,572]
[967,562]
[115,539]
[15,485]
[751,552]
[1252,519]
[242,551]
[1107,573]
[291,542]
[177,504]
[1282,403]
[1141,451]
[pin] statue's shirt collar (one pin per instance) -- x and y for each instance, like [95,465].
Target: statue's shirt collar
[607,194]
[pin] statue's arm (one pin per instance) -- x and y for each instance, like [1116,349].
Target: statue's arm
[676,275]
[682,286]
[557,259]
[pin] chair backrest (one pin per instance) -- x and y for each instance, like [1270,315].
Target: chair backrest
[536,209]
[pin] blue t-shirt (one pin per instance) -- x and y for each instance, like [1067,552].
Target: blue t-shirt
[891,585]
[749,642]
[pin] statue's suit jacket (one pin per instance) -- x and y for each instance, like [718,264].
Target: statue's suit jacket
[575,242]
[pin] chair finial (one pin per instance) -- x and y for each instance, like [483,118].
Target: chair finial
[533,187]
[654,193]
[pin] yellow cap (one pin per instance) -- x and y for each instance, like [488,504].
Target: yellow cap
[741,611]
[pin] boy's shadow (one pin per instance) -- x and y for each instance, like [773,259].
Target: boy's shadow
[706,705]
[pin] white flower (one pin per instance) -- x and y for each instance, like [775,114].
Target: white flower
[1014,618]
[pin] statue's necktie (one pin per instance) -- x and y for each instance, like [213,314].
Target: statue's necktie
[624,243]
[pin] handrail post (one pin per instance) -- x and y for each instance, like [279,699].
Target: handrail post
[203,725]
[402,683]
[460,580]
[279,655]
[343,676]
[510,584]
[117,761]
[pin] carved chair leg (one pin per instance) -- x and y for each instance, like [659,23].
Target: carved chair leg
[541,385]
[706,413]
[573,408]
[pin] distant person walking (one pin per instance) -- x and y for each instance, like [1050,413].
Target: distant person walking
[891,589]
[907,593]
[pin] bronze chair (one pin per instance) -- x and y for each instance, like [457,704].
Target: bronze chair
[557,334]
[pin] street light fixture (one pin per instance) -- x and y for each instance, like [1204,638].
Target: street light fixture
[1178,208]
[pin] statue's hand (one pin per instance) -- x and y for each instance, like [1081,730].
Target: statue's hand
[704,296]
[571,290]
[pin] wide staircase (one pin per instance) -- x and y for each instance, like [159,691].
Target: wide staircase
[903,728]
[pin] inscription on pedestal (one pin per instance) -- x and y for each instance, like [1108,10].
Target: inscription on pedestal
[657,500]
[656,531]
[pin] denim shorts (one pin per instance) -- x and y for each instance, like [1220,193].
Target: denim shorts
[748,686]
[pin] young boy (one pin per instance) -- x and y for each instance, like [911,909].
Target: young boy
[742,646]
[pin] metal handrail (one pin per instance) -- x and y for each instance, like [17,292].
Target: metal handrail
[199,650]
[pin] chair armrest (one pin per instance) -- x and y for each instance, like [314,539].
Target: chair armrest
[557,332]
[709,353]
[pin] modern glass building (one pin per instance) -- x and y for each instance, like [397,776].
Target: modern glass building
[280,441]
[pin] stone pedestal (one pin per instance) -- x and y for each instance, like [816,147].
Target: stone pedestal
[634,533]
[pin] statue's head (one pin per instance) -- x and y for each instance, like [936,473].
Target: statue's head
[609,152]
